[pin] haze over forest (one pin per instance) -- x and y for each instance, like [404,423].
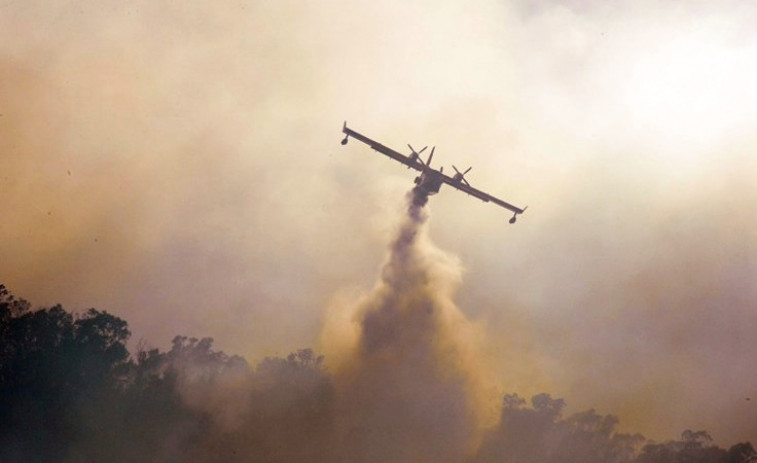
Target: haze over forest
[178,166]
[407,388]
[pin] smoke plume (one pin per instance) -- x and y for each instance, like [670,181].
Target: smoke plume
[406,387]
[407,391]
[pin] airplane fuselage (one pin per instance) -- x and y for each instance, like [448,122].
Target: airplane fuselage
[430,181]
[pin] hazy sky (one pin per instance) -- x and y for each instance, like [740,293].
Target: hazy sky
[178,164]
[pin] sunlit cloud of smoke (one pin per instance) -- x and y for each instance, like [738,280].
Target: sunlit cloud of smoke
[179,165]
[409,384]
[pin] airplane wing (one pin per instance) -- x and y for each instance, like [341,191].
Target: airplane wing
[406,160]
[485,197]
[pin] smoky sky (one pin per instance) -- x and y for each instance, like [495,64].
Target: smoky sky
[179,165]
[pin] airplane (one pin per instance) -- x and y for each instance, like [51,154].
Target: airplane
[430,180]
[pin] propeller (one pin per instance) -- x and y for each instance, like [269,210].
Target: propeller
[461,175]
[431,155]
[416,155]
[413,149]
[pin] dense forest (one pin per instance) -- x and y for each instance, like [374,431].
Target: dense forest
[70,391]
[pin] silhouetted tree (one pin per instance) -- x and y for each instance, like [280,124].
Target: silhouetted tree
[540,434]
[741,453]
[291,411]
[70,392]
[523,433]
[696,447]
[53,365]
[159,419]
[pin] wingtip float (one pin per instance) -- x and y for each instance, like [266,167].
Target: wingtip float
[430,180]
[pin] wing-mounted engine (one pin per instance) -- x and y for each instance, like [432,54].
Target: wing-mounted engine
[415,155]
[460,176]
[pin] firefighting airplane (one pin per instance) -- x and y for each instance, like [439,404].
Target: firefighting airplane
[430,180]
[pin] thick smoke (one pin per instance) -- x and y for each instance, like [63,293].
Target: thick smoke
[148,169]
[407,393]
[407,389]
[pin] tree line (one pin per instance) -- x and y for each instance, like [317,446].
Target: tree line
[70,391]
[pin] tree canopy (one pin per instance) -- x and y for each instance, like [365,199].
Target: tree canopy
[70,391]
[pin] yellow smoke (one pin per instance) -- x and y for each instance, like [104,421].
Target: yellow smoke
[404,358]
